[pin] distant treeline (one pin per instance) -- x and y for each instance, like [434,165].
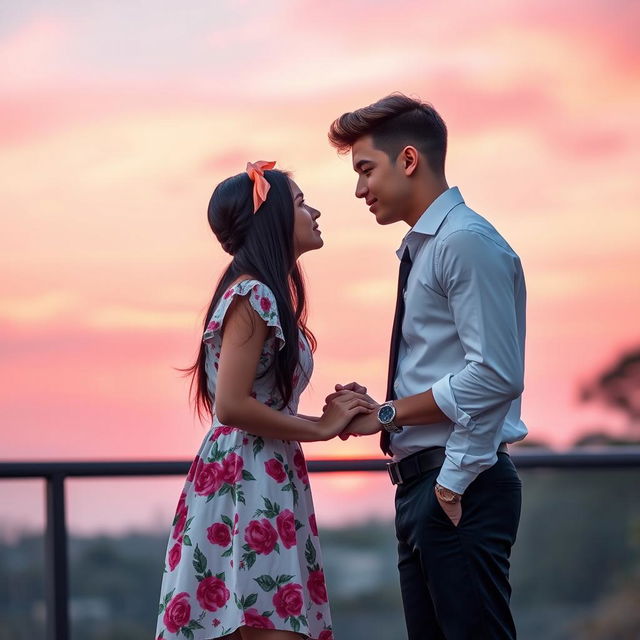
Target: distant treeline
[575,571]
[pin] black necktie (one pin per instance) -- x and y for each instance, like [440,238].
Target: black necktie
[396,335]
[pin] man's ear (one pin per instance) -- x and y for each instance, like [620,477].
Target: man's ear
[409,157]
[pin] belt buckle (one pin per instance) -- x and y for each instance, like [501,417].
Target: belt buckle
[394,472]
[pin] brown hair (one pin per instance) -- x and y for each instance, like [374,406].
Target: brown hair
[394,122]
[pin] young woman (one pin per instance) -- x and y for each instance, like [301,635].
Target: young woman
[243,560]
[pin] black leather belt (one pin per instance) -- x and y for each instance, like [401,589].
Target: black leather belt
[417,464]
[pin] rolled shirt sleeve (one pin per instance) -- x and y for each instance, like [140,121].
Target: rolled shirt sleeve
[481,278]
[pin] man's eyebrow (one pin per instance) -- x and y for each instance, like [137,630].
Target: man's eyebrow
[361,164]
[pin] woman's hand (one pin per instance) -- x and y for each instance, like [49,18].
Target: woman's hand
[340,409]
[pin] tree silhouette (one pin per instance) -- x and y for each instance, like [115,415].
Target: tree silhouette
[618,387]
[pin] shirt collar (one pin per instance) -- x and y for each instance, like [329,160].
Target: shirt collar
[430,221]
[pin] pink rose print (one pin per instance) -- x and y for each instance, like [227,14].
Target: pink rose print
[227,293]
[216,622]
[214,325]
[182,503]
[175,554]
[265,304]
[209,478]
[316,586]
[177,613]
[221,431]
[192,469]
[219,533]
[313,525]
[232,468]
[212,593]
[275,469]
[261,536]
[301,466]
[288,600]
[286,528]
[180,519]
[325,634]
[178,530]
[253,619]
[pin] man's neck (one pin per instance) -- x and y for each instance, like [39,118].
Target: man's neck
[426,196]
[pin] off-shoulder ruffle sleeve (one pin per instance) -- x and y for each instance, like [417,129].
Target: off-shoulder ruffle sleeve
[262,301]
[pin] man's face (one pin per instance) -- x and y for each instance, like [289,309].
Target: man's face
[382,183]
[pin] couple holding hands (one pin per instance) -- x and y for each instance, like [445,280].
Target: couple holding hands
[243,560]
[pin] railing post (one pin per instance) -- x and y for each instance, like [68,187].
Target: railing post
[56,561]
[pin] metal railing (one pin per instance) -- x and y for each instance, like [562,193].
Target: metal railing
[55,474]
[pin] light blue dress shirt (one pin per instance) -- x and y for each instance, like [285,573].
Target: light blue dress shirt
[463,336]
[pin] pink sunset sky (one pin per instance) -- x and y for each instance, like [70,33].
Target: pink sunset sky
[117,120]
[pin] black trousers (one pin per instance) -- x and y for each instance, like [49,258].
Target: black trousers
[455,580]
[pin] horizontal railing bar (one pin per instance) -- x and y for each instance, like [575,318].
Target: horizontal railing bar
[56,472]
[618,457]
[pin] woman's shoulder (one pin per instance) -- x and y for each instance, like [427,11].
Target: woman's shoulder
[246,285]
[258,295]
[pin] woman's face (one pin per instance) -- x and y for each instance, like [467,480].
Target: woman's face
[306,233]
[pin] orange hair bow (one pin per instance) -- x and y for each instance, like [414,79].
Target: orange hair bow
[261,187]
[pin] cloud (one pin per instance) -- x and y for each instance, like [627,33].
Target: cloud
[39,309]
[113,136]
[115,318]
[33,53]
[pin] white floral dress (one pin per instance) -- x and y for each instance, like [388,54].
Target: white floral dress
[244,546]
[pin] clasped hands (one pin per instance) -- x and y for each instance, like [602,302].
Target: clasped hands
[366,424]
[363,424]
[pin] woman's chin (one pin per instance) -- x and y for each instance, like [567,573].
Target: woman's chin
[317,244]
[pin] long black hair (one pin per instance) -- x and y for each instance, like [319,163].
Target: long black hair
[262,247]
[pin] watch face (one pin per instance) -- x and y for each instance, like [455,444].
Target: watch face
[386,414]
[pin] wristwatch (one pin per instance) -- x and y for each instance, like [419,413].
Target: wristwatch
[387,416]
[446,495]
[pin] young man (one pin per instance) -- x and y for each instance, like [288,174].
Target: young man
[455,377]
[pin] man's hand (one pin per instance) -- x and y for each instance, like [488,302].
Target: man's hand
[352,386]
[363,425]
[339,412]
[356,427]
[453,510]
